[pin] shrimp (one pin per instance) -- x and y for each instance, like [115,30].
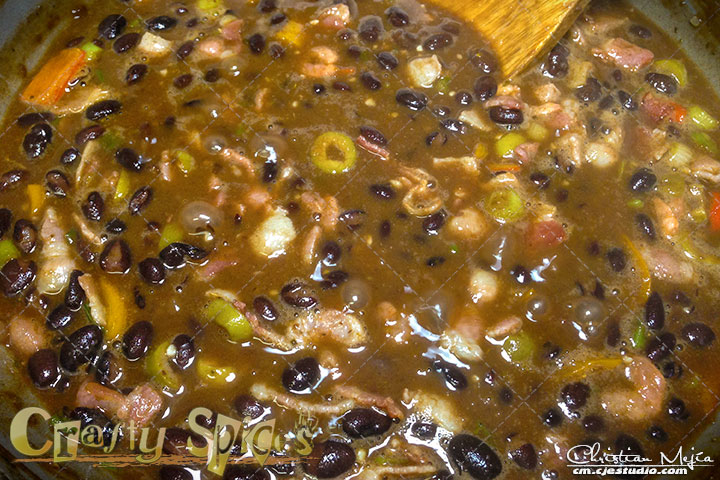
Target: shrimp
[97,308]
[56,261]
[27,336]
[141,405]
[668,221]
[642,400]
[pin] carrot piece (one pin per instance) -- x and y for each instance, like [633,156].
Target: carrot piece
[715,212]
[504,167]
[48,85]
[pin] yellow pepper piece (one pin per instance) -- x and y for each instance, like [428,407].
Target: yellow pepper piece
[342,144]
[586,366]
[171,233]
[227,316]
[122,189]
[291,33]
[36,196]
[115,307]
[537,132]
[481,151]
[642,269]
[8,251]
[505,146]
[215,374]
[157,365]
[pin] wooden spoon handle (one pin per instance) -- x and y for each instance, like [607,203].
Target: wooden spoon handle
[519,31]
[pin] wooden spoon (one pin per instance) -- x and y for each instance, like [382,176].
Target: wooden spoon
[519,31]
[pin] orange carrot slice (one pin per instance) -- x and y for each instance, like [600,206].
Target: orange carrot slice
[49,83]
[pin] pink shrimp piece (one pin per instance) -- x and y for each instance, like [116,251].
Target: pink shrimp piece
[526,152]
[233,30]
[373,148]
[644,399]
[503,101]
[258,198]
[335,16]
[27,336]
[211,47]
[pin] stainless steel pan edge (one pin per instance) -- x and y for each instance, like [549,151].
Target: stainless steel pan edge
[27,27]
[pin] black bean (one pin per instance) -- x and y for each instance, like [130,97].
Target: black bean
[298,295]
[655,312]
[152,271]
[267,6]
[483,60]
[334,279]
[657,434]
[590,92]
[57,183]
[370,28]
[302,376]
[552,418]
[70,156]
[616,257]
[627,101]
[185,50]
[640,31]
[5,221]
[136,73]
[385,229]
[355,51]
[373,135]
[43,368]
[137,339]
[540,179]
[525,456]
[411,99]
[140,200]
[161,23]
[434,222]
[676,409]
[365,422]
[103,109]
[370,81]
[30,119]
[678,296]
[330,459]
[658,348]
[423,430]
[627,445]
[506,116]
[182,81]
[112,26]
[129,159]
[593,423]
[11,178]
[256,42]
[319,88]
[60,317]
[107,371]
[126,43]
[643,180]
[575,395]
[16,275]
[184,351]
[249,406]
[74,295]
[438,41]
[265,309]
[116,257]
[698,334]
[115,226]
[353,219]
[454,377]
[93,416]
[93,132]
[80,346]
[176,441]
[397,17]
[384,191]
[475,457]
[174,472]
[606,102]
[662,83]
[463,97]
[454,125]
[387,61]
[330,253]
[93,207]
[645,225]
[36,141]
[556,64]
[520,274]
[435,261]
[174,255]
[341,86]
[25,235]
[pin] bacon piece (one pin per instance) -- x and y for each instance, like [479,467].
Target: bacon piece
[624,54]
[545,234]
